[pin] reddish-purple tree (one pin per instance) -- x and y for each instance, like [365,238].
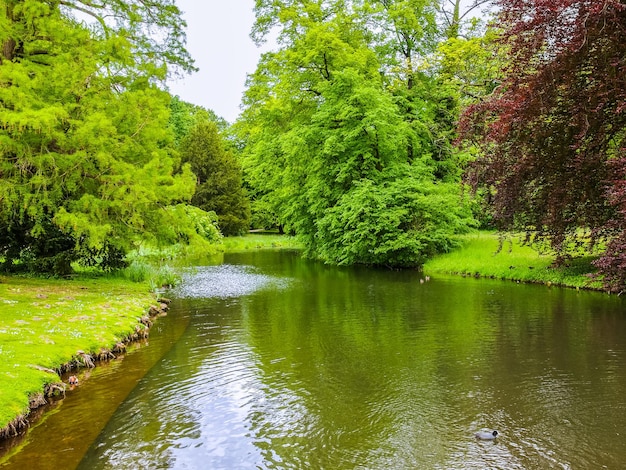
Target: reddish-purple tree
[553,134]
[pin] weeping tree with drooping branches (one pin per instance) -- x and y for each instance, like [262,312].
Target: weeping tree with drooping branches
[553,134]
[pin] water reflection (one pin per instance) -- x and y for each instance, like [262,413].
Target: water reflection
[68,427]
[291,364]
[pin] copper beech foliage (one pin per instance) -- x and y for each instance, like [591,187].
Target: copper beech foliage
[553,134]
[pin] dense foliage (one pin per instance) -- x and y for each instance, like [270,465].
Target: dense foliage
[553,134]
[347,131]
[219,180]
[184,116]
[85,154]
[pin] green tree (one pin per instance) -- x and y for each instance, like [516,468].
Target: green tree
[457,19]
[219,180]
[473,66]
[329,146]
[183,116]
[85,156]
[407,34]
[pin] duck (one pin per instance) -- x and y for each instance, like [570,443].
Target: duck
[486,436]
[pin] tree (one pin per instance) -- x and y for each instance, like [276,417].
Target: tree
[554,147]
[85,156]
[329,147]
[405,42]
[455,16]
[421,44]
[219,180]
[472,65]
[153,28]
[183,116]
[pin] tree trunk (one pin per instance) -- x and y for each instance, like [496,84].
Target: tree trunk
[8,46]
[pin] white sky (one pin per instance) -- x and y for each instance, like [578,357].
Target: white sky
[218,38]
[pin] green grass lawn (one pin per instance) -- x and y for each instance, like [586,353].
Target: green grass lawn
[44,323]
[255,241]
[478,255]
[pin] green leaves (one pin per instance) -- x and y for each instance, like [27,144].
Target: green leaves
[218,174]
[154,29]
[401,221]
[474,66]
[86,158]
[357,162]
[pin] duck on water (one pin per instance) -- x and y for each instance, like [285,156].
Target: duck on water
[486,435]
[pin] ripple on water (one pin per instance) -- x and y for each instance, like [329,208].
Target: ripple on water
[226,281]
[344,375]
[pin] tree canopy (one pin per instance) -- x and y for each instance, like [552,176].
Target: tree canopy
[219,179]
[347,131]
[553,133]
[85,154]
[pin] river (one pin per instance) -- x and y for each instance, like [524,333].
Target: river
[269,361]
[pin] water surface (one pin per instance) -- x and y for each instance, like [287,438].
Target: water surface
[284,363]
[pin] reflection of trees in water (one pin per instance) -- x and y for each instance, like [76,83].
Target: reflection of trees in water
[356,366]
[378,363]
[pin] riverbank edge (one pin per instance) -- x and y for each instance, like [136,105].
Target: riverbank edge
[473,269]
[484,255]
[85,360]
[479,254]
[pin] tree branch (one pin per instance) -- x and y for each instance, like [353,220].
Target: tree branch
[97,17]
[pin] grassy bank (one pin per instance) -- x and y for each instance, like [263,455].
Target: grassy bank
[479,256]
[255,241]
[45,323]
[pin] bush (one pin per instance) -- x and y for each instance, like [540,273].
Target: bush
[137,271]
[400,222]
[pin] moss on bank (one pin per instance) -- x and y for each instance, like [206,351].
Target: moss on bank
[46,324]
[482,255]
